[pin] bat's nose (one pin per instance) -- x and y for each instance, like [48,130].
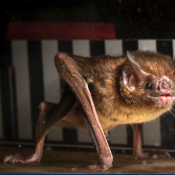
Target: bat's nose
[164,83]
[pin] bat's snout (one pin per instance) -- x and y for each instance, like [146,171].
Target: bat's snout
[165,91]
[165,84]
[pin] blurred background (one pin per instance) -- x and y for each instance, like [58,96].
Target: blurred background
[32,32]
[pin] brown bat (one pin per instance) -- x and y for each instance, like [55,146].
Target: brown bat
[105,91]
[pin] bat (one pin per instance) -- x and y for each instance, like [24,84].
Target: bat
[104,91]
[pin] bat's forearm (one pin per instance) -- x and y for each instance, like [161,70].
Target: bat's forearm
[67,67]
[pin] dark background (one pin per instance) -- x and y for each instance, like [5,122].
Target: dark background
[133,19]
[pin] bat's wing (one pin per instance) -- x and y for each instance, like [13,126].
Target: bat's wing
[91,133]
[73,70]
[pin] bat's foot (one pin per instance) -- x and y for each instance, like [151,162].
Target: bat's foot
[104,164]
[18,158]
[155,154]
[150,154]
[91,168]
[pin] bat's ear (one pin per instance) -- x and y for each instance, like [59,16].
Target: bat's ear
[131,72]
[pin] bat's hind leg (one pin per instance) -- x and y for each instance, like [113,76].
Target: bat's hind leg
[49,115]
[44,109]
[138,153]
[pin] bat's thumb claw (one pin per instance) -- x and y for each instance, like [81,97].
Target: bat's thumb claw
[74,169]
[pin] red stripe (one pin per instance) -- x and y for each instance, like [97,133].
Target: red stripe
[59,30]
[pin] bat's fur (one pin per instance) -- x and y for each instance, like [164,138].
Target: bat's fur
[114,103]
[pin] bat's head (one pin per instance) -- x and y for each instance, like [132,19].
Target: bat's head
[149,77]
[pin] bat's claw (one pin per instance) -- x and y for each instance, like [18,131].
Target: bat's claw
[91,168]
[150,154]
[155,154]
[13,158]
[18,158]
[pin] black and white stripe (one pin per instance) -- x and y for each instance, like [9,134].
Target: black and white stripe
[20,62]
[6,62]
[129,45]
[52,83]
[167,122]
[69,135]
[118,135]
[151,130]
[36,80]
[1,124]
[82,48]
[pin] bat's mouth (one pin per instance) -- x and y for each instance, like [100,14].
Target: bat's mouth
[165,98]
[162,100]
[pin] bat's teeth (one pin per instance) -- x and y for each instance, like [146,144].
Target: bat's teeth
[165,99]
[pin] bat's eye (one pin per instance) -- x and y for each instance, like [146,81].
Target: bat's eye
[148,86]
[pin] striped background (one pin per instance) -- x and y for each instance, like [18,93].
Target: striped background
[28,76]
